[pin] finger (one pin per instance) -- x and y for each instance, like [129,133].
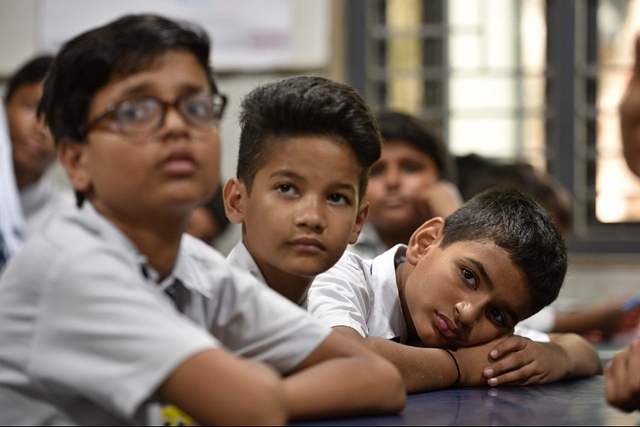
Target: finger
[511,344]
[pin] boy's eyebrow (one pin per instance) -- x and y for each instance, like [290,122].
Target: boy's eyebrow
[486,278]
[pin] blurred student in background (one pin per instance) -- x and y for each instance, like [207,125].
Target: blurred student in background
[208,221]
[33,149]
[11,218]
[622,373]
[414,180]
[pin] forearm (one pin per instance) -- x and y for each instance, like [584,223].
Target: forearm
[342,378]
[581,357]
[422,369]
[344,387]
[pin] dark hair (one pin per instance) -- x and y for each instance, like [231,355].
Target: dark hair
[305,105]
[33,71]
[421,135]
[519,225]
[114,51]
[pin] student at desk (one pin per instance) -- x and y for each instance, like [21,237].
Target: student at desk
[462,282]
[622,373]
[306,146]
[125,312]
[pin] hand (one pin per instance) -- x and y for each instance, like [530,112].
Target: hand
[440,198]
[629,110]
[622,378]
[520,361]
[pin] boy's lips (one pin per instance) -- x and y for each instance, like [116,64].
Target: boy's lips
[179,163]
[308,244]
[448,328]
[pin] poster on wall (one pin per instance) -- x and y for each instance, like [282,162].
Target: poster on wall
[246,34]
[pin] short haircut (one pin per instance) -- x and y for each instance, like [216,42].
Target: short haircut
[519,225]
[116,50]
[302,106]
[421,135]
[32,72]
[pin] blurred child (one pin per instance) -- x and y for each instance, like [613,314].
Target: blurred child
[413,181]
[124,309]
[306,147]
[208,221]
[622,373]
[464,282]
[11,217]
[32,146]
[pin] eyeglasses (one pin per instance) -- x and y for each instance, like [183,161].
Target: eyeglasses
[142,116]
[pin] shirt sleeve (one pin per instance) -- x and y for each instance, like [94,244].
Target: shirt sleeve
[342,296]
[255,321]
[107,335]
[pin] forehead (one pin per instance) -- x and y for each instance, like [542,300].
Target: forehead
[320,156]
[403,148]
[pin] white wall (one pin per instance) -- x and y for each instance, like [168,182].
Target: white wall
[311,28]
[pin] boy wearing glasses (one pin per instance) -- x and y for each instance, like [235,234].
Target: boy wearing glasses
[124,312]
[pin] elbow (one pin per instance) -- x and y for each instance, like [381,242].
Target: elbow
[395,388]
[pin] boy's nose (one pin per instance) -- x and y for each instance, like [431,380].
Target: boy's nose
[310,214]
[469,311]
[392,177]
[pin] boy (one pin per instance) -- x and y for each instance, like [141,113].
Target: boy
[32,146]
[413,181]
[124,308]
[622,373]
[461,283]
[306,146]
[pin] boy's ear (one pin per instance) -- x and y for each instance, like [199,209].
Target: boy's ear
[73,156]
[428,234]
[233,193]
[361,217]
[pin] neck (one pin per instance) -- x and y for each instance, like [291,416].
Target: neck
[292,287]
[157,237]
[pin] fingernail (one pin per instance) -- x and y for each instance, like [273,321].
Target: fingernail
[488,372]
[493,381]
[494,353]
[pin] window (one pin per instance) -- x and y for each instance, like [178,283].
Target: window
[532,80]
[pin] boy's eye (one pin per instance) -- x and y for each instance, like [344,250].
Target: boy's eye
[470,278]
[285,189]
[339,199]
[411,167]
[497,316]
[376,170]
[132,112]
[199,108]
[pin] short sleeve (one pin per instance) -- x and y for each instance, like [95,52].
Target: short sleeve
[342,296]
[107,335]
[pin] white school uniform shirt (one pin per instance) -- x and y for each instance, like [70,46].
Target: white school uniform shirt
[88,334]
[41,200]
[240,258]
[363,294]
[11,217]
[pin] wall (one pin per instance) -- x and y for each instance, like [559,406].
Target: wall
[311,45]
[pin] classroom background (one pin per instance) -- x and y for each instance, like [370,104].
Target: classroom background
[533,80]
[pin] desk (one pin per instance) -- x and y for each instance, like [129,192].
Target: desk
[575,402]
